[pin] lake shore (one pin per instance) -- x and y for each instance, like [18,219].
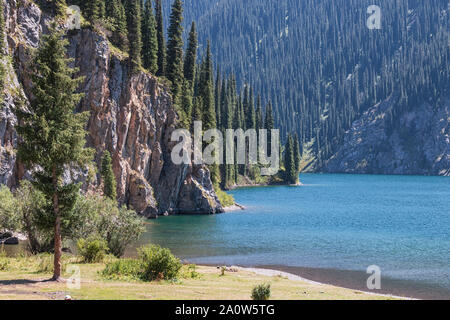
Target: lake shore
[22,281]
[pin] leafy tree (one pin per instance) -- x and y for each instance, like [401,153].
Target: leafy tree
[174,66]
[133,10]
[34,211]
[52,134]
[161,40]
[101,217]
[149,39]
[108,177]
[190,59]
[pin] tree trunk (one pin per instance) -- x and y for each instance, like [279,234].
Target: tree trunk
[58,238]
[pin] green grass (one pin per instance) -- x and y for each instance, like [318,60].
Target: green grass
[24,281]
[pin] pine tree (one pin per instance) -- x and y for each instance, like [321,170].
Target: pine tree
[149,40]
[269,125]
[217,97]
[297,156]
[250,111]
[52,134]
[291,174]
[161,40]
[60,7]
[108,177]
[206,91]
[116,11]
[174,66]
[133,10]
[93,10]
[190,59]
[258,116]
[186,105]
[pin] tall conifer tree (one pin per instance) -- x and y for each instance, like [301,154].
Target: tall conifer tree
[174,66]
[190,59]
[149,39]
[116,11]
[52,134]
[161,39]
[206,91]
[297,155]
[133,10]
[108,177]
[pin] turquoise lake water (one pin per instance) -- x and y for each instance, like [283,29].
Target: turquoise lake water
[332,222]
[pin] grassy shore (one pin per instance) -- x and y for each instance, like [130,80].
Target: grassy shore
[24,279]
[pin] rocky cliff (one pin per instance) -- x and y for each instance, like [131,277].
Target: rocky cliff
[132,116]
[416,143]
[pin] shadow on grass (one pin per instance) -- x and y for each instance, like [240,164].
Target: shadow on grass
[23,282]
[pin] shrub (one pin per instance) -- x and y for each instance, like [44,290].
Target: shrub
[191,272]
[92,250]
[154,263]
[45,263]
[8,210]
[128,268]
[261,292]
[158,263]
[4,262]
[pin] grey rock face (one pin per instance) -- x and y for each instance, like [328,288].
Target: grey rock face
[417,144]
[132,116]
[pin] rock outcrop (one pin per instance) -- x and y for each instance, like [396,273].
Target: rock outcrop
[132,116]
[417,143]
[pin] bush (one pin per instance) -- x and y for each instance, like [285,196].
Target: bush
[45,263]
[191,272]
[158,263]
[123,268]
[261,292]
[100,216]
[4,262]
[93,250]
[154,263]
[9,219]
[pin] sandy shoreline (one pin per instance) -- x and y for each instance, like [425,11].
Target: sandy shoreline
[293,277]
[235,207]
[351,280]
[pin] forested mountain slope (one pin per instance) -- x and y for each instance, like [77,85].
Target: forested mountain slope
[323,68]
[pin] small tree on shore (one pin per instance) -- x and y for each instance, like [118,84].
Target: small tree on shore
[52,135]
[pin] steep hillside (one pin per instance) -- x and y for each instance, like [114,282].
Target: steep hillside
[131,116]
[418,142]
[323,68]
